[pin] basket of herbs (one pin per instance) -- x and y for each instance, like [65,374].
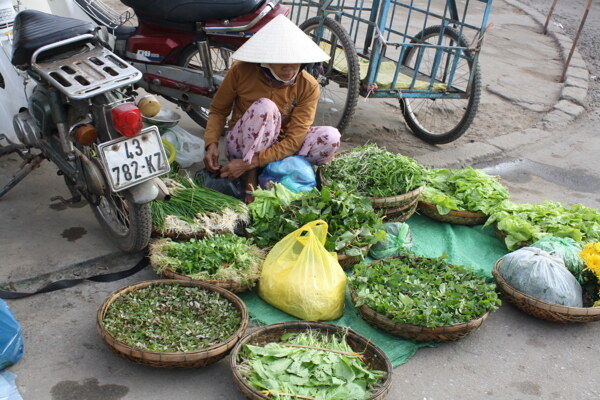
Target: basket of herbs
[353,223]
[421,298]
[309,360]
[464,196]
[172,323]
[226,260]
[194,211]
[520,224]
[390,181]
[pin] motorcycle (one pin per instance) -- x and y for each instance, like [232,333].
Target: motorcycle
[81,116]
[181,47]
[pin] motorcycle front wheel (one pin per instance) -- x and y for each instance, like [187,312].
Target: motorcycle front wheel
[220,58]
[128,224]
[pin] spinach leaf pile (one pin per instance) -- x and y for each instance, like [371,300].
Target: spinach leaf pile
[423,291]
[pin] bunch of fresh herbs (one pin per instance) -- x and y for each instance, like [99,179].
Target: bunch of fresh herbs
[309,365]
[218,257]
[527,223]
[467,189]
[353,224]
[423,291]
[171,318]
[372,171]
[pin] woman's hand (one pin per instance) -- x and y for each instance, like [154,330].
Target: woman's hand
[211,158]
[236,168]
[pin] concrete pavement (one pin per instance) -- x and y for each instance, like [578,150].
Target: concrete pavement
[513,355]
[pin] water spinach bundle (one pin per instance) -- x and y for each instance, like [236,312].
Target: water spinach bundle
[374,172]
[224,257]
[467,189]
[171,318]
[353,224]
[423,291]
[309,365]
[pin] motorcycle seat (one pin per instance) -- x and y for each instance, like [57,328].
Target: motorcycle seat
[190,11]
[33,29]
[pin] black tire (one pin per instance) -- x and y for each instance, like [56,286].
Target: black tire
[126,223]
[339,89]
[220,57]
[442,120]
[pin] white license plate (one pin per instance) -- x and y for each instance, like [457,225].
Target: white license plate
[130,161]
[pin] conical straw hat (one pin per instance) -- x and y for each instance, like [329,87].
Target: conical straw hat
[280,42]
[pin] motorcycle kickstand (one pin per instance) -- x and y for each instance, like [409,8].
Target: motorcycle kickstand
[26,168]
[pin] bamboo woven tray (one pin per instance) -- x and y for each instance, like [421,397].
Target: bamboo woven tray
[541,309]
[373,355]
[453,217]
[232,286]
[501,235]
[418,333]
[192,359]
[398,214]
[397,201]
[347,262]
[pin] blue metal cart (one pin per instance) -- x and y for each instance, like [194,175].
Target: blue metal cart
[422,52]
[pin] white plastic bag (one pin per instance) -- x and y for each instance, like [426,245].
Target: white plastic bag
[190,148]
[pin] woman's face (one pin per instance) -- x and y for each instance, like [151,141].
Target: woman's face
[285,72]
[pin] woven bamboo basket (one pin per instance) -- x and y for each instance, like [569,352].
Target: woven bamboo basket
[418,333]
[192,359]
[541,309]
[232,286]
[373,355]
[398,214]
[347,262]
[501,235]
[397,201]
[453,217]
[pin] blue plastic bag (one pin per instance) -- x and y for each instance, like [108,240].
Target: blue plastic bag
[11,338]
[294,172]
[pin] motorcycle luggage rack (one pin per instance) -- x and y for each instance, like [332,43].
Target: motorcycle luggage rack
[104,14]
[90,71]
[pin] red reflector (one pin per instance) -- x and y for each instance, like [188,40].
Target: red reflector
[127,119]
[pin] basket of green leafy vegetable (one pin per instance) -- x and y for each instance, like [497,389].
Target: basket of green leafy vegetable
[389,180]
[520,224]
[226,260]
[463,196]
[172,323]
[353,223]
[421,298]
[309,360]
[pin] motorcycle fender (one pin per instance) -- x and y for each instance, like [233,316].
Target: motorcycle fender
[145,192]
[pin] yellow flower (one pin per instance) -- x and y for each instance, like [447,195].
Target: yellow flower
[591,257]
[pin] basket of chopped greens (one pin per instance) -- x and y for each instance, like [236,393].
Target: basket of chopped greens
[353,223]
[545,310]
[389,180]
[172,323]
[520,224]
[422,299]
[194,211]
[226,260]
[464,196]
[309,360]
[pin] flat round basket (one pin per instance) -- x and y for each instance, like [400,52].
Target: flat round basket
[192,359]
[418,333]
[232,286]
[398,214]
[373,355]
[397,201]
[453,217]
[541,309]
[347,262]
[501,235]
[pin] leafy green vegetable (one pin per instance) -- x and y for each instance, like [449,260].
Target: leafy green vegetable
[353,224]
[309,364]
[467,189]
[372,171]
[171,318]
[528,223]
[217,257]
[423,291]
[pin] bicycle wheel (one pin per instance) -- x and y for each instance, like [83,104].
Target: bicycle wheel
[128,224]
[339,77]
[220,57]
[442,120]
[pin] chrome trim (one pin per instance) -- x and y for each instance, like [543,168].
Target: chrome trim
[222,29]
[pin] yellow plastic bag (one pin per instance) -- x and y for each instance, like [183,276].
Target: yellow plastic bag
[303,279]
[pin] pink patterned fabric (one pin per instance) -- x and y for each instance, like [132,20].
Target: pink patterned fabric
[259,128]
